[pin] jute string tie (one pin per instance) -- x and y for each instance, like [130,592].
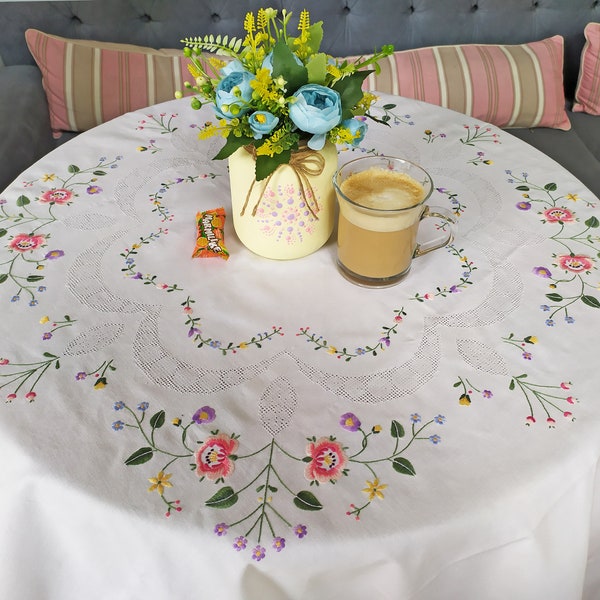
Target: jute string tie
[305,163]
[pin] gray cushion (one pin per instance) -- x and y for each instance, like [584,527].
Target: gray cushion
[25,134]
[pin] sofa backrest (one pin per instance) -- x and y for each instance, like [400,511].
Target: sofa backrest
[351,26]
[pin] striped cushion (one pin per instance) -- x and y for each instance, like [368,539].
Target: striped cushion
[509,86]
[587,94]
[88,83]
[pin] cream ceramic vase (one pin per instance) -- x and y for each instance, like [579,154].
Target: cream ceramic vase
[289,214]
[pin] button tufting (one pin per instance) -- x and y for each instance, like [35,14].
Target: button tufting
[346,9]
[146,18]
[474,7]
[76,19]
[215,18]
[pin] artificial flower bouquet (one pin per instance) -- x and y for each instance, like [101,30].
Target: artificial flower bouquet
[275,92]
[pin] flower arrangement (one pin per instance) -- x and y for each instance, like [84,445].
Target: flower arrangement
[276,92]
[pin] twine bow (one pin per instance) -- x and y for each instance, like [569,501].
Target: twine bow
[305,163]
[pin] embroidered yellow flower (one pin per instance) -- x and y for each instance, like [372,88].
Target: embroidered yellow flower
[44,319]
[49,177]
[160,482]
[374,489]
[573,197]
[332,350]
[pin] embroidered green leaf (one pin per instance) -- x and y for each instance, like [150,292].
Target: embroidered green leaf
[591,301]
[397,431]
[522,188]
[306,500]
[593,222]
[554,297]
[158,420]
[22,200]
[403,466]
[550,187]
[3,277]
[512,384]
[99,173]
[139,457]
[3,232]
[224,498]
[73,169]
[31,278]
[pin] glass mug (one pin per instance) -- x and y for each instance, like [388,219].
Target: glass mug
[382,201]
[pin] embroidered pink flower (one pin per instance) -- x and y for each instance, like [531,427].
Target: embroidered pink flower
[558,215]
[576,263]
[26,243]
[213,457]
[57,196]
[328,460]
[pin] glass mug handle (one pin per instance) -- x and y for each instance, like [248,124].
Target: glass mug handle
[437,212]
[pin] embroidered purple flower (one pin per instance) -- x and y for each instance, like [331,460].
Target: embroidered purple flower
[487,393]
[435,439]
[542,272]
[279,543]
[221,529]
[240,543]
[527,355]
[118,425]
[300,531]
[93,189]
[385,341]
[206,414]
[523,205]
[47,336]
[143,406]
[258,553]
[54,254]
[80,376]
[350,421]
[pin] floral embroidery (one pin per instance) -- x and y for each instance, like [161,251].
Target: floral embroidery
[467,389]
[25,244]
[575,263]
[384,342]
[521,344]
[326,461]
[213,457]
[464,280]
[479,134]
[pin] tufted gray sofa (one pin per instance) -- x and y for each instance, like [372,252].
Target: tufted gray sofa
[351,27]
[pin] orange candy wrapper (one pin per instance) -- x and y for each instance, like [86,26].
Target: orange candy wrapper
[210,240]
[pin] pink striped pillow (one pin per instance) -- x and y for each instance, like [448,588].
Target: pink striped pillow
[587,94]
[88,82]
[509,86]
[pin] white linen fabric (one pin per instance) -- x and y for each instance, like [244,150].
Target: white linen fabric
[306,438]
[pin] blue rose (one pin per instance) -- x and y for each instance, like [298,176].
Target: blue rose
[233,95]
[316,109]
[234,66]
[262,122]
[357,129]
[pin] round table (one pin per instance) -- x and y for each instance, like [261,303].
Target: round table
[181,427]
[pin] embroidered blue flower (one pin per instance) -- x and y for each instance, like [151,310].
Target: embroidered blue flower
[118,425]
